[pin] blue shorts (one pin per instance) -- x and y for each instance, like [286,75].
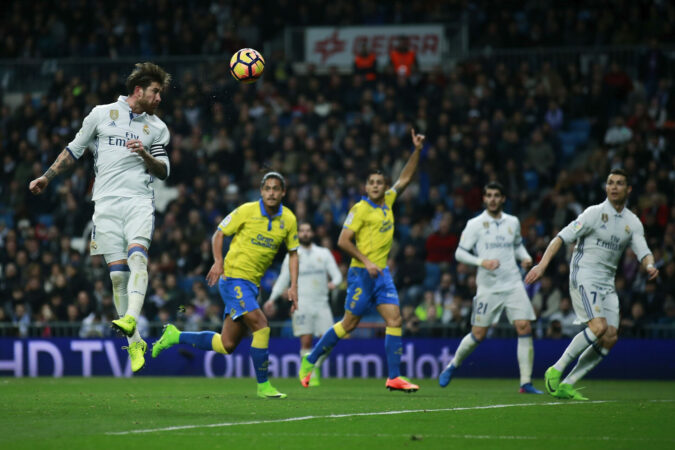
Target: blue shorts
[240,296]
[364,291]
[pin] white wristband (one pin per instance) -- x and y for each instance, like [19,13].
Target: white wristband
[650,266]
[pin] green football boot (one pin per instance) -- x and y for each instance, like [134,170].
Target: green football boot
[169,338]
[137,354]
[552,380]
[567,391]
[266,390]
[125,325]
[305,373]
[315,381]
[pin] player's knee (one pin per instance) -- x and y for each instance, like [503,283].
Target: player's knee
[609,338]
[137,260]
[598,327]
[394,322]
[228,344]
[523,327]
[479,333]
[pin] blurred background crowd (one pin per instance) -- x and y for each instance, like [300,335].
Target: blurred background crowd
[548,131]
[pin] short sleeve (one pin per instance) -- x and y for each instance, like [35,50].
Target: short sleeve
[468,238]
[86,134]
[579,227]
[292,242]
[354,221]
[231,224]
[390,197]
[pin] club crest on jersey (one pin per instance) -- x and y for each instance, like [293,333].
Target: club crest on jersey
[146,129]
[486,225]
[604,217]
[509,230]
[93,245]
[114,114]
[627,229]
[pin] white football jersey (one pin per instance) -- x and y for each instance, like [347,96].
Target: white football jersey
[602,234]
[316,266]
[119,172]
[490,238]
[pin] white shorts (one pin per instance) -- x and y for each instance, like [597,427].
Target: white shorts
[119,222]
[590,302]
[315,322]
[488,307]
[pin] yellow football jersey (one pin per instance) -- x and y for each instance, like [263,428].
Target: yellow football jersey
[257,238]
[373,226]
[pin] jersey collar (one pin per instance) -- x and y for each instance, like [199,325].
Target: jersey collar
[269,218]
[608,205]
[384,207]
[123,100]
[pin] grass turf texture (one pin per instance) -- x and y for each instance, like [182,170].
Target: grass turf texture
[77,413]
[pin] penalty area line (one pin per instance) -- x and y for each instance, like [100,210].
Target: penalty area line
[341,416]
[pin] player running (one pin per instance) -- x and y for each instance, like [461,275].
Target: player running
[602,233]
[371,223]
[313,315]
[495,240]
[129,145]
[259,228]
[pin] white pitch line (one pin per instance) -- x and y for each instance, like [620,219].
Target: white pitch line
[340,416]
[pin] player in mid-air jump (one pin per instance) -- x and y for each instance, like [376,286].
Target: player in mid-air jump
[259,229]
[129,145]
[492,241]
[602,233]
[371,224]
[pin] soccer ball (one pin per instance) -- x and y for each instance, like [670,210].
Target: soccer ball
[247,65]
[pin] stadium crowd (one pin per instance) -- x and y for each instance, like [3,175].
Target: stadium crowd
[550,133]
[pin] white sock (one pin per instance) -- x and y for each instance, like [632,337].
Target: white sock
[525,358]
[466,346]
[138,282]
[120,281]
[590,358]
[580,342]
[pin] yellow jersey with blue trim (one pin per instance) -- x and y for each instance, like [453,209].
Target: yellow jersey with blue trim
[373,227]
[257,238]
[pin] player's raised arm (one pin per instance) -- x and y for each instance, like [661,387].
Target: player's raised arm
[63,162]
[411,166]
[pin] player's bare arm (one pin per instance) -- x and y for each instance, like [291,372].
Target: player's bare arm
[538,270]
[411,166]
[648,266]
[217,251]
[63,162]
[154,166]
[293,267]
[346,243]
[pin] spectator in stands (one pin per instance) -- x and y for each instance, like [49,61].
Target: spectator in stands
[403,59]
[441,245]
[565,317]
[547,299]
[365,64]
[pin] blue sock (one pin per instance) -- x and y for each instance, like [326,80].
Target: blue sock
[325,344]
[201,340]
[260,357]
[394,350]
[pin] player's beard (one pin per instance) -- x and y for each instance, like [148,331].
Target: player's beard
[148,107]
[305,242]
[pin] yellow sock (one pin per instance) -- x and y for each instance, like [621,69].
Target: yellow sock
[394,331]
[217,344]
[339,330]
[261,338]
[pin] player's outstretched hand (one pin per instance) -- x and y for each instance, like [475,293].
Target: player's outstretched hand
[653,272]
[293,297]
[534,274]
[418,139]
[490,264]
[38,185]
[526,264]
[214,273]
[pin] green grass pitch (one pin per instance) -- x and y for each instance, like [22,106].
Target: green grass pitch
[195,413]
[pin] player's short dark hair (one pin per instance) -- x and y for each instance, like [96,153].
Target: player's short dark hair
[622,172]
[494,185]
[377,172]
[145,74]
[276,175]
